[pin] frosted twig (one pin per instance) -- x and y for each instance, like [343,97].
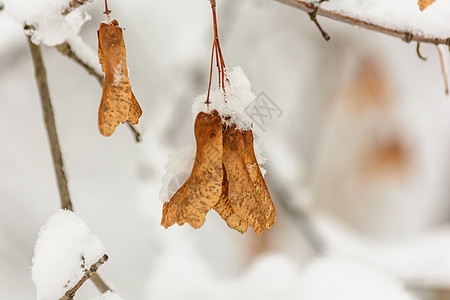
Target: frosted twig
[49,118]
[420,54]
[74,4]
[88,274]
[405,36]
[67,51]
[444,73]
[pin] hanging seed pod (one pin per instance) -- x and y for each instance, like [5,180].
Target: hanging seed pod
[203,188]
[257,178]
[241,192]
[118,104]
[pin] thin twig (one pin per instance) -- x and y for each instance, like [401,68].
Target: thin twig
[444,73]
[136,133]
[308,7]
[420,54]
[74,4]
[1,7]
[88,274]
[67,51]
[41,80]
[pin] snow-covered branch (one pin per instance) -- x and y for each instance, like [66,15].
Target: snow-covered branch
[88,273]
[336,10]
[74,4]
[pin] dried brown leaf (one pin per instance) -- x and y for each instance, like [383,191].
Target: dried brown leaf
[241,192]
[258,179]
[224,209]
[118,104]
[203,188]
[425,3]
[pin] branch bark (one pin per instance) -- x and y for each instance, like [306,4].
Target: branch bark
[41,80]
[88,274]
[405,36]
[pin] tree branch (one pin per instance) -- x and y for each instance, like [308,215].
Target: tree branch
[66,49]
[41,80]
[88,274]
[405,36]
[74,4]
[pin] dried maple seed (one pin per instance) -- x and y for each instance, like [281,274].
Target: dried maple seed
[258,179]
[241,192]
[118,104]
[425,3]
[203,188]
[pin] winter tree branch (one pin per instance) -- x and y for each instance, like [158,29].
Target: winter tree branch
[49,118]
[66,50]
[405,36]
[88,274]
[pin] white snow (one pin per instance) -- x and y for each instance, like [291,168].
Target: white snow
[342,278]
[84,52]
[108,296]
[51,27]
[238,99]
[118,75]
[403,15]
[64,244]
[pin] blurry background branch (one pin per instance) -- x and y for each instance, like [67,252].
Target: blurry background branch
[405,36]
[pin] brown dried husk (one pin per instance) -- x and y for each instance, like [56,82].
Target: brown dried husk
[203,188]
[224,209]
[243,197]
[425,3]
[257,178]
[118,103]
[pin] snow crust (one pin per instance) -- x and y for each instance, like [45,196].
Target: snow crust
[108,296]
[51,27]
[237,100]
[403,15]
[65,243]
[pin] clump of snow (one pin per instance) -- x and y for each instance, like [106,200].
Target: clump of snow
[108,296]
[65,244]
[341,278]
[49,25]
[83,51]
[234,103]
[178,169]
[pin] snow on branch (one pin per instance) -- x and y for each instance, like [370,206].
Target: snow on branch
[401,19]
[74,4]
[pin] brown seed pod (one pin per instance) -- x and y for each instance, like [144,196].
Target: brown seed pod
[241,192]
[224,209]
[258,179]
[118,104]
[203,188]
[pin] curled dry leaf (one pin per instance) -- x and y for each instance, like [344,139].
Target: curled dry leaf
[425,3]
[118,104]
[241,192]
[257,178]
[203,188]
[224,209]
